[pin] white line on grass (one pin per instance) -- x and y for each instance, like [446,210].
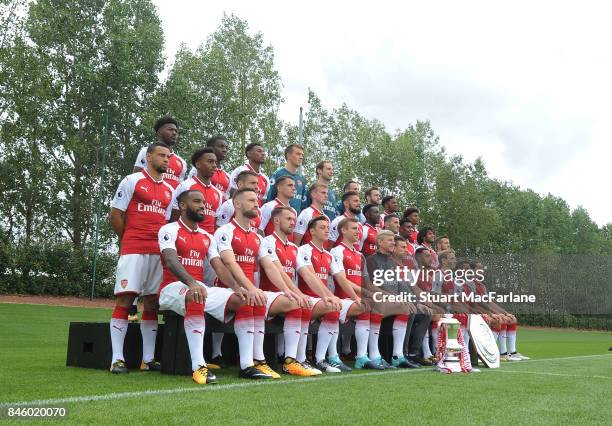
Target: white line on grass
[213,388]
[544,373]
[208,388]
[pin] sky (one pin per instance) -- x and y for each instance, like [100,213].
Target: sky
[527,87]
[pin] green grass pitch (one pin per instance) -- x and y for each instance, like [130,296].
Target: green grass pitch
[568,380]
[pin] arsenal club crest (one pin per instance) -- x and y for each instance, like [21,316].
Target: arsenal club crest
[124,283]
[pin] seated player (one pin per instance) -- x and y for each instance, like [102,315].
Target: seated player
[500,320]
[184,246]
[377,265]
[285,252]
[314,267]
[370,228]
[285,188]
[318,194]
[242,252]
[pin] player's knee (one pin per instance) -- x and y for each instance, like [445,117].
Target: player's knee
[151,303]
[125,300]
[234,303]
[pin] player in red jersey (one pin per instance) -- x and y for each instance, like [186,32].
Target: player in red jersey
[166,129]
[283,219]
[426,238]
[242,252]
[413,216]
[285,188]
[245,180]
[407,231]
[401,254]
[443,244]
[185,248]
[349,289]
[318,194]
[221,179]
[205,162]
[256,157]
[389,205]
[315,266]
[352,207]
[140,207]
[391,223]
[370,229]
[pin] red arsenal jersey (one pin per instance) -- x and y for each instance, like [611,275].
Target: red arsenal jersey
[221,179]
[146,203]
[286,252]
[321,261]
[369,239]
[175,173]
[334,232]
[213,198]
[192,247]
[301,226]
[246,245]
[352,263]
[266,224]
[263,182]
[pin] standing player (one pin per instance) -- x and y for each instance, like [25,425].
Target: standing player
[390,206]
[325,172]
[166,130]
[285,189]
[294,154]
[372,195]
[406,230]
[221,179]
[245,180]
[318,194]
[370,229]
[391,223]
[140,207]
[426,238]
[443,244]
[350,186]
[242,252]
[185,247]
[412,214]
[205,162]
[352,207]
[315,266]
[256,157]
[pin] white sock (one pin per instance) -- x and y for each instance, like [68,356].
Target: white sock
[502,342]
[194,330]
[332,349]
[304,337]
[118,330]
[292,331]
[399,334]
[373,351]
[243,327]
[217,341]
[148,328]
[511,341]
[362,334]
[259,328]
[324,336]
[426,348]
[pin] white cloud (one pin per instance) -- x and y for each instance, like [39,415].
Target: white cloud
[525,85]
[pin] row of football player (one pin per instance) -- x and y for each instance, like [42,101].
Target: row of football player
[138,212]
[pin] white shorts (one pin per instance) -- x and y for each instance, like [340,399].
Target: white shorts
[138,273]
[172,298]
[271,296]
[346,305]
